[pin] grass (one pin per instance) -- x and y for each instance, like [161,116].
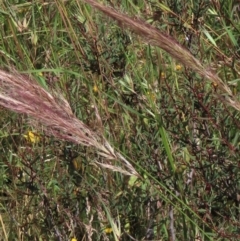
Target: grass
[116,128]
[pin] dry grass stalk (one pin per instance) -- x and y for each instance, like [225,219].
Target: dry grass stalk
[170,45]
[21,94]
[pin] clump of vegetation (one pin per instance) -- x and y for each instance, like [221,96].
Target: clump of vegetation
[127,129]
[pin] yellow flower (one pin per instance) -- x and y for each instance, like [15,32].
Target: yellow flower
[108,230]
[32,137]
[73,239]
[178,67]
[95,88]
[77,164]
[163,75]
[151,95]
[214,85]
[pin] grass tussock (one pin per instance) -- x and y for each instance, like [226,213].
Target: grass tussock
[171,46]
[109,127]
[21,94]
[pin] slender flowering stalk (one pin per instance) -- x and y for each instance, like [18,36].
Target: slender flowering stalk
[21,94]
[170,45]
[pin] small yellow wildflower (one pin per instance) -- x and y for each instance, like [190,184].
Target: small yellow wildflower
[108,230]
[95,88]
[73,239]
[178,67]
[32,137]
[214,85]
[151,95]
[163,75]
[77,164]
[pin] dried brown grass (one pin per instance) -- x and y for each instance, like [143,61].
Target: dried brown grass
[171,46]
[22,94]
